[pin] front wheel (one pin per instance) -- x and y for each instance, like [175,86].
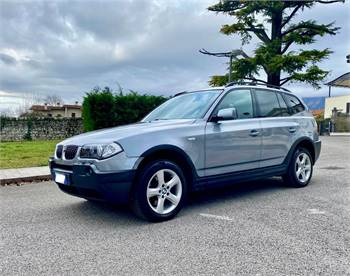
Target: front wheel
[300,169]
[160,191]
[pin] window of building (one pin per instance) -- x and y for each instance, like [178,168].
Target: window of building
[294,104]
[241,100]
[267,103]
[73,115]
[347,108]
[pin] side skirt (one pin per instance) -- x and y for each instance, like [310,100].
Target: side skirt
[237,177]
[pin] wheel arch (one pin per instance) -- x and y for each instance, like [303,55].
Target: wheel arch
[171,153]
[306,143]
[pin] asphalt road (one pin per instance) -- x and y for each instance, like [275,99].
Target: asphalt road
[260,228]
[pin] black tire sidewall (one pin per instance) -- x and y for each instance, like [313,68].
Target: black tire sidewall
[140,190]
[291,176]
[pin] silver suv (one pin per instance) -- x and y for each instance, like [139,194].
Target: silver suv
[195,140]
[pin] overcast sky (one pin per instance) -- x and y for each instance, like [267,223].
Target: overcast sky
[151,46]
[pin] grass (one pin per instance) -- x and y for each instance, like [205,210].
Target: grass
[26,153]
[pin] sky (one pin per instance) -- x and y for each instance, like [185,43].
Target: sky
[66,48]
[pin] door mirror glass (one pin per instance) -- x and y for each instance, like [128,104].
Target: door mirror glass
[227,114]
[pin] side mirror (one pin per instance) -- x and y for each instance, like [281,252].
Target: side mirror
[226,114]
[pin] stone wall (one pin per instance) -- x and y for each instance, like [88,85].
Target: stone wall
[13,129]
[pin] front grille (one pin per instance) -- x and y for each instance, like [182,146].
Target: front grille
[59,151]
[70,151]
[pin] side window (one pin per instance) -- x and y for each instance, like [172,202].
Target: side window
[283,105]
[239,99]
[294,104]
[267,103]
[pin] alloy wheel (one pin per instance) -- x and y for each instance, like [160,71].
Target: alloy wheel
[303,167]
[164,191]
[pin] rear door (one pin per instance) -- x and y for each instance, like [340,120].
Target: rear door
[278,127]
[233,145]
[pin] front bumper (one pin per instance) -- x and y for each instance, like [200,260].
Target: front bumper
[84,182]
[317,146]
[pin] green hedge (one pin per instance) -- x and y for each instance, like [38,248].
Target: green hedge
[102,108]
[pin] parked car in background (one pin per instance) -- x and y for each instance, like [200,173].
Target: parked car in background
[195,140]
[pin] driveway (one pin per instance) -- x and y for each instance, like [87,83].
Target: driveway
[259,227]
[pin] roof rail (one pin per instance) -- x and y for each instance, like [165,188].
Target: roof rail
[255,83]
[180,93]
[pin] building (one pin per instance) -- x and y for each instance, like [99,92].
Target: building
[58,111]
[338,103]
[342,81]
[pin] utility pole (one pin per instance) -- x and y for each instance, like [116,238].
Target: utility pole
[230,70]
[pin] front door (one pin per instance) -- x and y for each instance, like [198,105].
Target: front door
[233,145]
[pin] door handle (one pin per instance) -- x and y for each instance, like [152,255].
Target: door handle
[292,129]
[254,133]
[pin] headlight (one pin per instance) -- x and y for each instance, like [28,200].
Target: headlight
[99,151]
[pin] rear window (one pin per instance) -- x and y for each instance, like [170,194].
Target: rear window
[268,104]
[294,104]
[283,105]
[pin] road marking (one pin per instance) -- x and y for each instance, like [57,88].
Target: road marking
[215,217]
[316,212]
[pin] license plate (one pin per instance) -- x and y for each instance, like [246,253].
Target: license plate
[61,178]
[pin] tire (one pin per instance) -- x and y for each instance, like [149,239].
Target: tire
[159,192]
[300,169]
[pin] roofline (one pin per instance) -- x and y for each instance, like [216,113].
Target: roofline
[330,83]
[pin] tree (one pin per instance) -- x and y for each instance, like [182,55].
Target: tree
[273,24]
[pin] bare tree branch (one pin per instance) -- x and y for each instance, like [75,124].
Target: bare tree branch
[259,32]
[285,22]
[286,46]
[285,80]
[234,53]
[254,79]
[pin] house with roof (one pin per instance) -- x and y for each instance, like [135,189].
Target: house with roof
[58,110]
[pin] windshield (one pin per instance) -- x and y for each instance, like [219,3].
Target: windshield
[192,105]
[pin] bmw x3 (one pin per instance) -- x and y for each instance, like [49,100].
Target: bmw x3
[195,140]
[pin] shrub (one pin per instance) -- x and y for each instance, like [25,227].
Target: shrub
[133,107]
[101,108]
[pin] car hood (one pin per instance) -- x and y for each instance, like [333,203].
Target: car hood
[115,134]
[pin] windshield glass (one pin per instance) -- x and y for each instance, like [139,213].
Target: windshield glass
[192,105]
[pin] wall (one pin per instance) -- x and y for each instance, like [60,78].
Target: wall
[74,110]
[39,129]
[339,102]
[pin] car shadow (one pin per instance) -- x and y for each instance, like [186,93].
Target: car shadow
[236,191]
[117,215]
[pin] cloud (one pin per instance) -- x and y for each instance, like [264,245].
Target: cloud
[9,60]
[68,47]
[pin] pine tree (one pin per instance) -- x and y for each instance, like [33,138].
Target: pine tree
[274,24]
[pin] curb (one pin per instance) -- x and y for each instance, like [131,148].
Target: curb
[340,134]
[17,180]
